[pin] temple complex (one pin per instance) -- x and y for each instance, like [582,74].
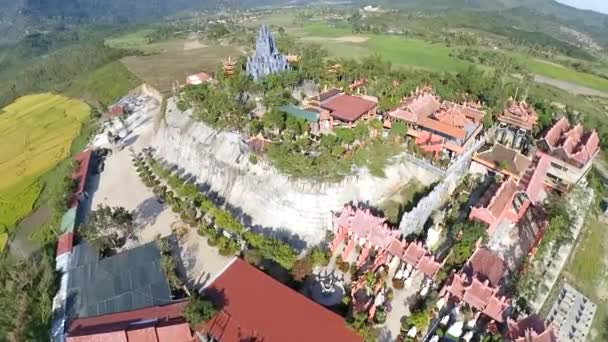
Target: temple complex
[266,60]
[356,226]
[478,285]
[516,122]
[438,126]
[570,151]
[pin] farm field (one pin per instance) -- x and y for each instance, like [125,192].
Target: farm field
[402,52]
[37,133]
[172,60]
[175,63]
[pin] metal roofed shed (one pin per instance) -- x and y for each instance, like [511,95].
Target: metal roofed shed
[300,113]
[127,281]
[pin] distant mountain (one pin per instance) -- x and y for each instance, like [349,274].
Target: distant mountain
[546,15]
[20,17]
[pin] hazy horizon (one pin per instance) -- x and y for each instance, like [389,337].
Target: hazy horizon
[595,5]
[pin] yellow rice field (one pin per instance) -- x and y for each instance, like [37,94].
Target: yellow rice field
[36,132]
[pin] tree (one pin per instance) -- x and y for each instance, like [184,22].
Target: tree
[419,319]
[108,227]
[199,310]
[345,135]
[302,268]
[398,130]
[465,245]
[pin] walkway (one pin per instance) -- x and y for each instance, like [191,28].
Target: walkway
[551,266]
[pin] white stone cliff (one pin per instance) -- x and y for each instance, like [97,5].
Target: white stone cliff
[271,199]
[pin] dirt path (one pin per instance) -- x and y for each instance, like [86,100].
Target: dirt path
[568,86]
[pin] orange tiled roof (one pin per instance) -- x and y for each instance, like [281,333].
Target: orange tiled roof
[519,114]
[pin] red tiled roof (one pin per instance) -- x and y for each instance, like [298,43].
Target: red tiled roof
[429,266]
[258,306]
[348,108]
[145,334]
[198,78]
[441,127]
[496,307]
[115,327]
[65,243]
[530,329]
[115,336]
[571,143]
[173,332]
[453,117]
[478,294]
[519,114]
[470,110]
[503,198]
[79,174]
[487,265]
[413,253]
[423,104]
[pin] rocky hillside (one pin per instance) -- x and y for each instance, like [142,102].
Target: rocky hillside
[220,162]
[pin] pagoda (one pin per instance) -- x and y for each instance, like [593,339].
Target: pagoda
[229,67]
[266,60]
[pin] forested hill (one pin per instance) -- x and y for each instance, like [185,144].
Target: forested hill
[546,16]
[19,18]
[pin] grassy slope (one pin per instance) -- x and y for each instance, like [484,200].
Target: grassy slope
[103,85]
[562,73]
[37,133]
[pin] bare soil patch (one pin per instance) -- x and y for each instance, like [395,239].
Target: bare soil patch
[193,44]
[173,64]
[569,87]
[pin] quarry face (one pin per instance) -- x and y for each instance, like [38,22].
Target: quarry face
[261,195]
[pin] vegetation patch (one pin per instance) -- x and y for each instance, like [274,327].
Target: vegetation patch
[104,85]
[38,131]
[590,277]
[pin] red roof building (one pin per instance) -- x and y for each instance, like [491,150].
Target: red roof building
[199,78]
[530,329]
[80,172]
[258,308]
[65,243]
[570,150]
[349,109]
[360,226]
[478,285]
[507,206]
[152,324]
[437,125]
[518,114]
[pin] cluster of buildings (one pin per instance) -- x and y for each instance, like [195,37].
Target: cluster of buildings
[437,126]
[126,297]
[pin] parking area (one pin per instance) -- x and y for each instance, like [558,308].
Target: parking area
[118,184]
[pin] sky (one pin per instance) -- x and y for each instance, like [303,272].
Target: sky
[596,5]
